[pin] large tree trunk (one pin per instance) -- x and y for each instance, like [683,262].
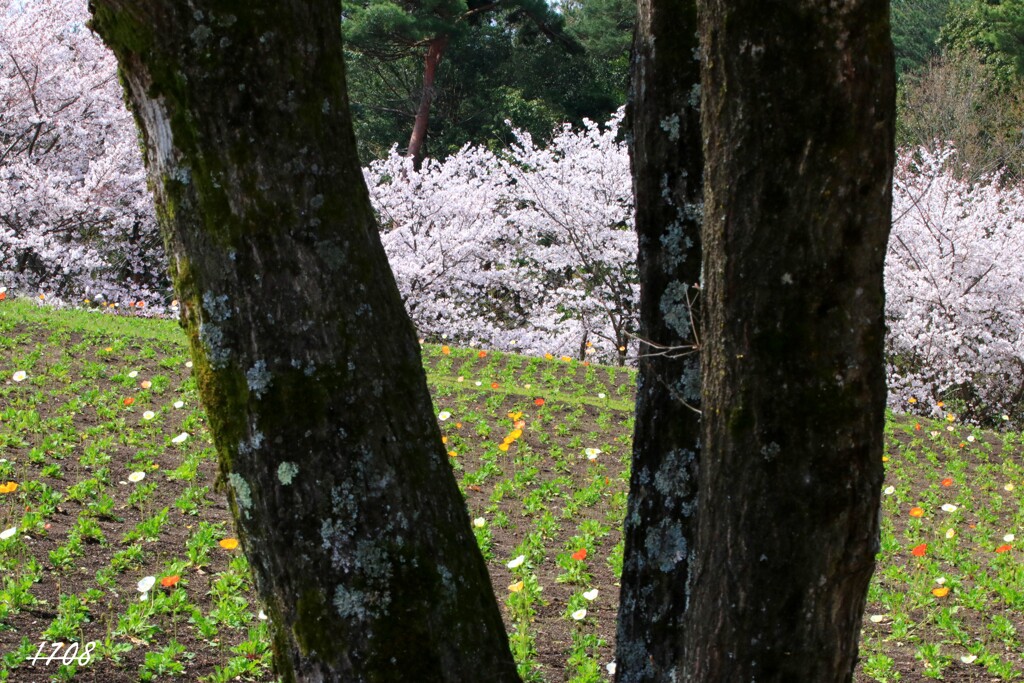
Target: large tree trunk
[418,140]
[667,169]
[798,109]
[307,363]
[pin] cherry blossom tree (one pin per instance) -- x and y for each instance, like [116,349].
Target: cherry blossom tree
[955,291]
[531,250]
[76,218]
[573,205]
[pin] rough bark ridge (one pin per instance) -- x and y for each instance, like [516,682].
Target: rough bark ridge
[667,169]
[797,107]
[307,363]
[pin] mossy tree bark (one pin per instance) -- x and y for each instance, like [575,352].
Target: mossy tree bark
[798,110]
[307,363]
[667,169]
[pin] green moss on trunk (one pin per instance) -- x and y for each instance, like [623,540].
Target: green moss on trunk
[304,356]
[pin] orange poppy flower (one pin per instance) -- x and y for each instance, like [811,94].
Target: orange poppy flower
[229,543]
[538,401]
[494,385]
[580,554]
[919,550]
[1004,548]
[916,512]
[940,592]
[169,581]
[482,354]
[947,482]
[445,350]
[128,401]
[9,487]
[3,295]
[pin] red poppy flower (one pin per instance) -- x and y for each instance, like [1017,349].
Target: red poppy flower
[1004,547]
[169,581]
[947,482]
[538,401]
[128,401]
[580,554]
[919,550]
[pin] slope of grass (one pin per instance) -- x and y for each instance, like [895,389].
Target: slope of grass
[99,490]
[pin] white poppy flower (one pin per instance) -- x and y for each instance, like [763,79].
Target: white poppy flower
[517,562]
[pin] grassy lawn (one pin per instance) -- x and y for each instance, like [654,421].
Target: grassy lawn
[108,478]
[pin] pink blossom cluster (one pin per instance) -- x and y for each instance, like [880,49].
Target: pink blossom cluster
[532,249]
[954,281]
[76,218]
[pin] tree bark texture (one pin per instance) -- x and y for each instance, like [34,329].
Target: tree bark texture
[418,140]
[307,363]
[798,110]
[667,169]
